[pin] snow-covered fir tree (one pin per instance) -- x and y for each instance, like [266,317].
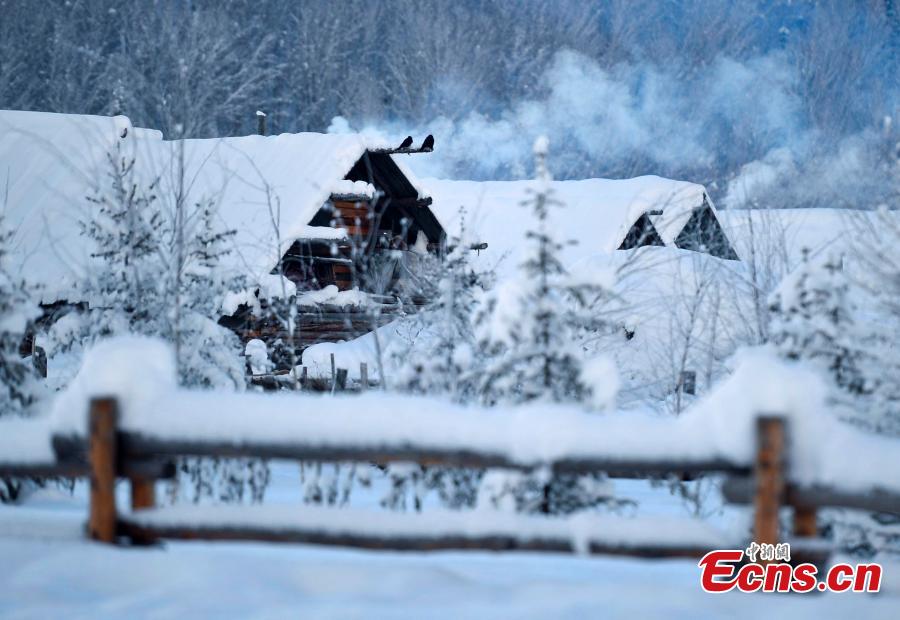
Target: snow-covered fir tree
[441,361]
[529,332]
[530,326]
[813,320]
[19,382]
[442,358]
[158,272]
[877,252]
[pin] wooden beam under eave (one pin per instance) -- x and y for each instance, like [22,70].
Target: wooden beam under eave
[407,151]
[351,198]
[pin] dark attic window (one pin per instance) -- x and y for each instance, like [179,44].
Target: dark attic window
[641,233]
[703,233]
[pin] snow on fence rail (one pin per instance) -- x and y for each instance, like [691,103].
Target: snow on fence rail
[143,455]
[803,459]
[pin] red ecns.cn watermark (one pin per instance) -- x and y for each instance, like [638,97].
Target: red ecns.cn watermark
[767,568]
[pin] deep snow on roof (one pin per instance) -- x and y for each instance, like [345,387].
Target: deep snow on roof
[596,213]
[791,231]
[49,163]
[267,188]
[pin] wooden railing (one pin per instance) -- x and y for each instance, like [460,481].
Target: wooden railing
[110,454]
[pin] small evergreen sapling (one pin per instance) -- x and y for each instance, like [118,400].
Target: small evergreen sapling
[19,382]
[441,361]
[529,333]
[530,327]
[158,272]
[813,319]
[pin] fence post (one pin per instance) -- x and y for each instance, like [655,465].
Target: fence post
[102,422]
[363,376]
[805,521]
[333,375]
[143,493]
[769,474]
[341,379]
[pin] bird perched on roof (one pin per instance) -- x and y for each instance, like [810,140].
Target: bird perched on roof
[428,143]
[407,142]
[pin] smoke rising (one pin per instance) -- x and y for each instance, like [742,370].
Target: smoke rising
[737,126]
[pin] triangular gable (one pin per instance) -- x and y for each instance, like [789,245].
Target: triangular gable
[401,196]
[642,233]
[703,233]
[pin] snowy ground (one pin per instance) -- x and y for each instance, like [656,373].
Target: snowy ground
[50,571]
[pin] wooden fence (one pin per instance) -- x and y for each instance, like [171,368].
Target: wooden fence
[110,454]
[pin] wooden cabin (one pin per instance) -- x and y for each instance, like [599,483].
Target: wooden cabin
[387,213]
[600,215]
[338,215]
[365,240]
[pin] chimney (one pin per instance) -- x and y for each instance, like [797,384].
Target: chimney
[260,122]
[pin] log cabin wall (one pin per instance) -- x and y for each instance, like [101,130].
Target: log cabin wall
[392,221]
[356,217]
[372,227]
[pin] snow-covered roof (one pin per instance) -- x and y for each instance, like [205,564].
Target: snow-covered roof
[49,163]
[596,213]
[267,188]
[790,231]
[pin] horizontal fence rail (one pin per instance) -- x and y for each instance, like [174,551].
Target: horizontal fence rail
[110,453]
[45,470]
[741,490]
[436,530]
[136,446]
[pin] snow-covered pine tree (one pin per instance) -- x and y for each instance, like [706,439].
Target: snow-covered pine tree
[19,382]
[441,361]
[878,237]
[529,332]
[124,223]
[530,326]
[813,319]
[158,273]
